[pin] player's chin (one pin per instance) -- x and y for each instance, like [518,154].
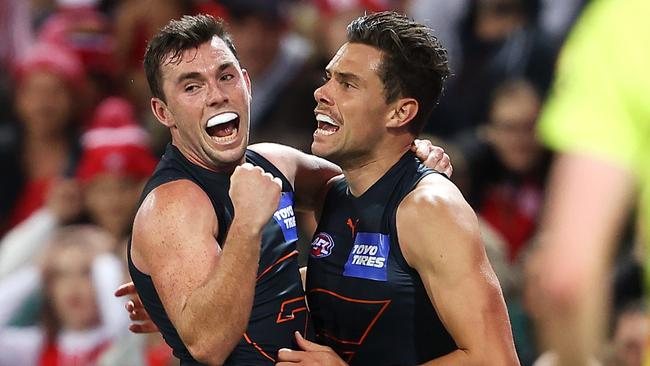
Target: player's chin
[320,149]
[233,153]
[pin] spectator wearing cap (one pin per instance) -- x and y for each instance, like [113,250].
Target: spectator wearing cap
[113,167]
[15,27]
[41,145]
[80,27]
[114,164]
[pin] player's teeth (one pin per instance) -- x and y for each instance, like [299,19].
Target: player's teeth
[226,138]
[325,118]
[221,119]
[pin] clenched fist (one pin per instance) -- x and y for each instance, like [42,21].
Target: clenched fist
[255,195]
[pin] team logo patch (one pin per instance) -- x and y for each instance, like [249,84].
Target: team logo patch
[322,245]
[286,218]
[369,257]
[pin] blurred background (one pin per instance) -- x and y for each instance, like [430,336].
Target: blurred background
[78,141]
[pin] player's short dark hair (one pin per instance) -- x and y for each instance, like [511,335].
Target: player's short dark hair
[414,64]
[174,38]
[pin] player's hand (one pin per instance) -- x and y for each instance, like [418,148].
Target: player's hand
[311,354]
[141,322]
[433,157]
[255,195]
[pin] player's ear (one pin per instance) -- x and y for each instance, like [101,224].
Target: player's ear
[402,112]
[160,110]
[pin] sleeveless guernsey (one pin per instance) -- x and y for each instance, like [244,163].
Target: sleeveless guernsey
[279,306]
[365,301]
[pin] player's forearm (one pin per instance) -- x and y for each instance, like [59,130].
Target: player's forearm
[216,314]
[486,339]
[467,358]
[312,176]
[458,357]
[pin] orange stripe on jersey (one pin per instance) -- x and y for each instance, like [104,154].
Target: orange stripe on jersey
[294,253]
[347,356]
[360,301]
[285,318]
[258,348]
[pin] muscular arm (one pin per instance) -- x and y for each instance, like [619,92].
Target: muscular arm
[448,254]
[309,174]
[207,292]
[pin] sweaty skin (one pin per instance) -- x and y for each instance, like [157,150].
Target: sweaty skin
[208,292]
[452,269]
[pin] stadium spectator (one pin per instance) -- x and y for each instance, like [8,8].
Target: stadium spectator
[42,143]
[79,316]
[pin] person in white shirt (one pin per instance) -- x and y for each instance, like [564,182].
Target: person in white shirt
[80,317]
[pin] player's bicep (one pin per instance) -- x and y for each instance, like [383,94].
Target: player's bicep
[449,256]
[309,174]
[467,300]
[312,175]
[174,242]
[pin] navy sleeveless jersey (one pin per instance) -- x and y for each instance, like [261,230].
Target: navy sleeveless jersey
[279,306]
[366,302]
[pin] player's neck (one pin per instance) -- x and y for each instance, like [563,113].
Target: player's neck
[223,168]
[364,173]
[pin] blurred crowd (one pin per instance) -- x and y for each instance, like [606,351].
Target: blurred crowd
[78,141]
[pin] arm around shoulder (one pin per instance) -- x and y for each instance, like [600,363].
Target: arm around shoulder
[440,239]
[309,174]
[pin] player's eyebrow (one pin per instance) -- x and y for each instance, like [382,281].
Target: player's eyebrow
[188,75]
[345,76]
[197,75]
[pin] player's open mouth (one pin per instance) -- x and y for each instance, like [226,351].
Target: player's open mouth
[223,127]
[326,125]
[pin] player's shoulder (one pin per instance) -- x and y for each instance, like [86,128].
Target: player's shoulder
[434,192]
[277,154]
[270,148]
[436,209]
[180,191]
[436,206]
[173,215]
[281,156]
[178,199]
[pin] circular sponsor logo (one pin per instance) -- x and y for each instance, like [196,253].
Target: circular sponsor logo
[322,245]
